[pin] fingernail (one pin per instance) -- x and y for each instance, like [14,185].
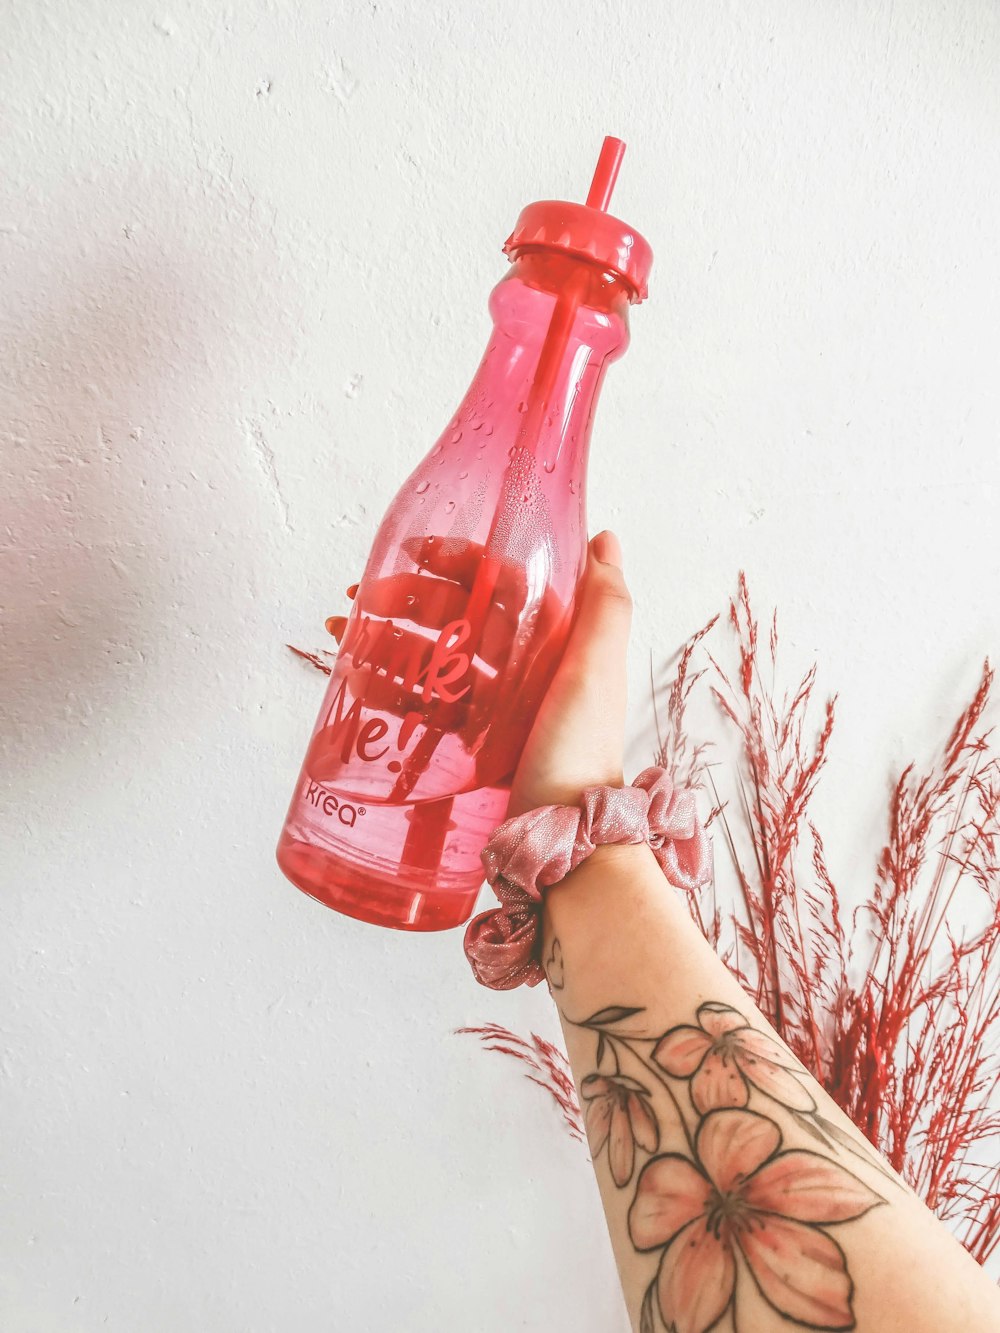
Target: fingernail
[607,548]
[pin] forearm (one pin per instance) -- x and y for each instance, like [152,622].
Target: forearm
[764,1208]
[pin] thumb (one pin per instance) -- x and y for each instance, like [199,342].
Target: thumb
[595,659]
[578,738]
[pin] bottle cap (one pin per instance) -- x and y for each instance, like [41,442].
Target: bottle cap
[588,231]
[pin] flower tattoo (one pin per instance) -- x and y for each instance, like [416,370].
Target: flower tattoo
[729,1207]
[743,1197]
[618,1114]
[723,1056]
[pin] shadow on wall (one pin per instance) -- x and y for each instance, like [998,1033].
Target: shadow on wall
[85,567]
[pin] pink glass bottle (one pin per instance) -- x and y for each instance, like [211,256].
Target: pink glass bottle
[467,595]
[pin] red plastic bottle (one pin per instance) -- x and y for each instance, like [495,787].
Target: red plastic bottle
[467,596]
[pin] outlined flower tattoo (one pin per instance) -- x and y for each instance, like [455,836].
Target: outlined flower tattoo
[723,1056]
[743,1197]
[618,1114]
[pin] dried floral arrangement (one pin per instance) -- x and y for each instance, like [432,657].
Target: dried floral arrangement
[894,1008]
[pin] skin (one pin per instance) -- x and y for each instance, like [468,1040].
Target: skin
[615,934]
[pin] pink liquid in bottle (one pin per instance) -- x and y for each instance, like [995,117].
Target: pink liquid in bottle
[467,595]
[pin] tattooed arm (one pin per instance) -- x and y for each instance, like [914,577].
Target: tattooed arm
[738,1197]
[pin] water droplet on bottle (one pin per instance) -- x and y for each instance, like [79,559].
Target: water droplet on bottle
[430,541]
[478,425]
[512,451]
[456,436]
[549,467]
[488,430]
[422,487]
[449,507]
[410,600]
[524,498]
[436,450]
[548,421]
[462,476]
[522,407]
[572,487]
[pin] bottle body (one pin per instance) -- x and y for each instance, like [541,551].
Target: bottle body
[460,617]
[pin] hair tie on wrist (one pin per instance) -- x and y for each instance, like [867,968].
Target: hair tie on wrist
[526,855]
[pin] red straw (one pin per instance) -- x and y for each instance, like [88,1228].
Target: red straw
[606,173]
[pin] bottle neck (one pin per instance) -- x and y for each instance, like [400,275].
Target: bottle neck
[559,322]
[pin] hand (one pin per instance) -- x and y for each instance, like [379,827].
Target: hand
[578,738]
[509,673]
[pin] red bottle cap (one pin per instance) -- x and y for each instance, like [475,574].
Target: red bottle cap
[587,230]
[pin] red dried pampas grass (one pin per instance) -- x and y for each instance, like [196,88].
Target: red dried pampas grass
[897,1010]
[547,1066]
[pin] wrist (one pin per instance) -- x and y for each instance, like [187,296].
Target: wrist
[528,861]
[609,867]
[526,795]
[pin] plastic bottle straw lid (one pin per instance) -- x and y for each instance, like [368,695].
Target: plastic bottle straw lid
[588,231]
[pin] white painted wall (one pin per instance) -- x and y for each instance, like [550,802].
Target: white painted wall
[246,251]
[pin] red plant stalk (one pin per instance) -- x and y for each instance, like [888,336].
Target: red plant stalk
[911,1050]
[546,1065]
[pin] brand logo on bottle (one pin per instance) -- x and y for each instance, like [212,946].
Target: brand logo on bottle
[332,805]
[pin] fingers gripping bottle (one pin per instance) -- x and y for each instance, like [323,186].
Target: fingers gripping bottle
[467,596]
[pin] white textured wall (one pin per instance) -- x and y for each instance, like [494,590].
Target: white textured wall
[246,251]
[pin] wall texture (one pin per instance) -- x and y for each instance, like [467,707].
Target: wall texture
[245,251]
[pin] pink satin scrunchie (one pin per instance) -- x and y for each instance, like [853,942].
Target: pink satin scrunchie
[531,852]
